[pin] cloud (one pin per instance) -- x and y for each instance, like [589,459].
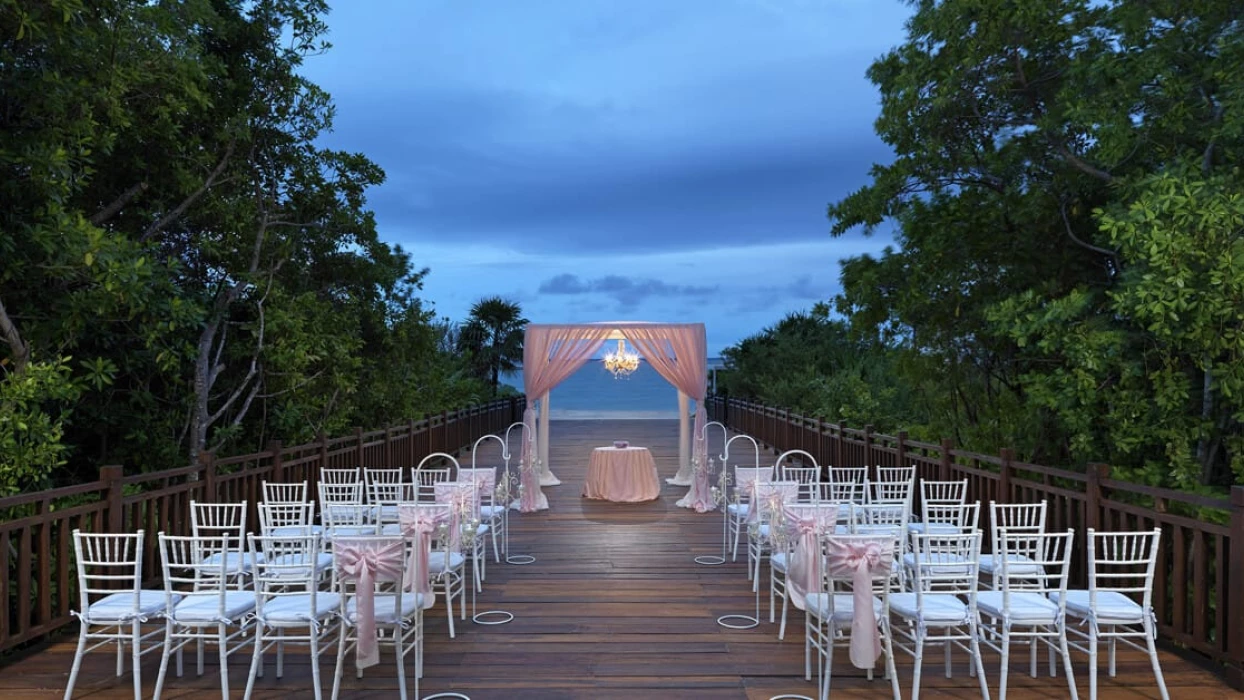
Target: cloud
[628,292]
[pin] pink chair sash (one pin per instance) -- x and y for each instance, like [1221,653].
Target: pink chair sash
[460,497]
[367,562]
[806,524]
[420,523]
[771,496]
[862,561]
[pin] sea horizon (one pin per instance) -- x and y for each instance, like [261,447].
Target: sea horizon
[592,393]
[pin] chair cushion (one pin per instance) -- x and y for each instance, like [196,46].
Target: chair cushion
[738,510]
[491,512]
[939,608]
[348,531]
[119,607]
[1018,565]
[436,561]
[204,607]
[844,606]
[933,529]
[778,562]
[944,564]
[294,530]
[234,561]
[1112,607]
[290,610]
[1027,607]
[385,607]
[323,561]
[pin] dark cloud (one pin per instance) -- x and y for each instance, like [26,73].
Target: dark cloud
[628,292]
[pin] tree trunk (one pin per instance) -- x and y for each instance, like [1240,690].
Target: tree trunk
[1205,456]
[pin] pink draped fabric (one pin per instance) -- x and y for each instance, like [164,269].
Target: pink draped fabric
[485,481]
[550,354]
[367,562]
[770,497]
[419,522]
[806,524]
[460,498]
[625,475]
[679,353]
[747,480]
[862,561]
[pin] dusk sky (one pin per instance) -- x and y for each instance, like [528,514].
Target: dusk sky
[594,160]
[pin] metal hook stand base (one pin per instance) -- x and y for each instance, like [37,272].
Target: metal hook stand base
[505,615]
[790,696]
[751,622]
[436,696]
[710,560]
[519,559]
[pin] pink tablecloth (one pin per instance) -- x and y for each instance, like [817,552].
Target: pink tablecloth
[626,475]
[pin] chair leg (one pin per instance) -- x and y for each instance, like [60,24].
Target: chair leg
[785,605]
[1006,661]
[341,657]
[807,646]
[1065,650]
[200,644]
[77,662]
[946,658]
[772,593]
[1153,659]
[496,551]
[449,606]
[1113,644]
[890,669]
[315,664]
[401,663]
[734,541]
[120,654]
[137,653]
[1092,661]
[977,662]
[168,641]
[1032,654]
[916,664]
[829,663]
[223,631]
[255,660]
[280,653]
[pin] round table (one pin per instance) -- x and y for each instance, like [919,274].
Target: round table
[622,474]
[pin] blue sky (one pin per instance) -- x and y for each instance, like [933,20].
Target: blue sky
[652,160]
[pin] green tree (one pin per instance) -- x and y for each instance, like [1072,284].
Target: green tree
[493,334]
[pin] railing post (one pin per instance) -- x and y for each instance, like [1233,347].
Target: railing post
[948,446]
[207,462]
[1235,569]
[900,450]
[868,446]
[837,444]
[1092,495]
[278,461]
[111,475]
[445,440]
[410,444]
[323,440]
[358,447]
[1004,475]
[388,448]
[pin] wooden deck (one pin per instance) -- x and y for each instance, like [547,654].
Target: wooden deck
[614,607]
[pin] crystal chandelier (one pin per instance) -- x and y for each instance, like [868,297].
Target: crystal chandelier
[621,362]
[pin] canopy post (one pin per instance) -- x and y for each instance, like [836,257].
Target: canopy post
[683,477]
[547,477]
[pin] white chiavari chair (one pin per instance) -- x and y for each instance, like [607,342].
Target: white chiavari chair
[396,613]
[287,519]
[941,608]
[1027,601]
[1121,566]
[113,607]
[830,612]
[352,475]
[223,520]
[1017,518]
[463,497]
[205,600]
[746,480]
[770,498]
[939,493]
[346,520]
[491,515]
[822,516]
[289,607]
[446,564]
[895,475]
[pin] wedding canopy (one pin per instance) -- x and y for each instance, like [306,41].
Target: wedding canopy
[677,351]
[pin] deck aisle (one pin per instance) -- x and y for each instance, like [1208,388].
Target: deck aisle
[614,607]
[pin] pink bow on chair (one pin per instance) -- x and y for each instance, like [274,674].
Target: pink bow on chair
[863,561]
[750,487]
[419,524]
[803,575]
[367,562]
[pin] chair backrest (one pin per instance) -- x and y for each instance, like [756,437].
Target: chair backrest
[1034,561]
[386,558]
[1123,562]
[459,494]
[485,480]
[201,563]
[807,478]
[771,496]
[427,479]
[341,476]
[288,566]
[842,475]
[286,518]
[880,519]
[376,479]
[946,563]
[384,495]
[842,491]
[281,492]
[800,459]
[843,554]
[944,492]
[107,564]
[215,519]
[889,492]
[1015,517]
[895,475]
[746,477]
[346,515]
[333,496]
[962,516]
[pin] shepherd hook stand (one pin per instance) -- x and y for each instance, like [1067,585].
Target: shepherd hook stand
[719,500]
[750,621]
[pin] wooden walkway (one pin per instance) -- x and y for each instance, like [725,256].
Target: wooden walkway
[614,607]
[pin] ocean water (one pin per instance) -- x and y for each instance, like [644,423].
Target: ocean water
[594,393]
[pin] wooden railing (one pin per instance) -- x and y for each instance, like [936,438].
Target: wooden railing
[1200,569]
[40,582]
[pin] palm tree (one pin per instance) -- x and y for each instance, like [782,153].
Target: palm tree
[493,334]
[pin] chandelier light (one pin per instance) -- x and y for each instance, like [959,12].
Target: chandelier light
[621,362]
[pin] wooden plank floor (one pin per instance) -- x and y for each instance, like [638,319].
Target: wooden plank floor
[614,607]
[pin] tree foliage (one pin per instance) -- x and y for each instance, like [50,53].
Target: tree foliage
[1064,200]
[186,268]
